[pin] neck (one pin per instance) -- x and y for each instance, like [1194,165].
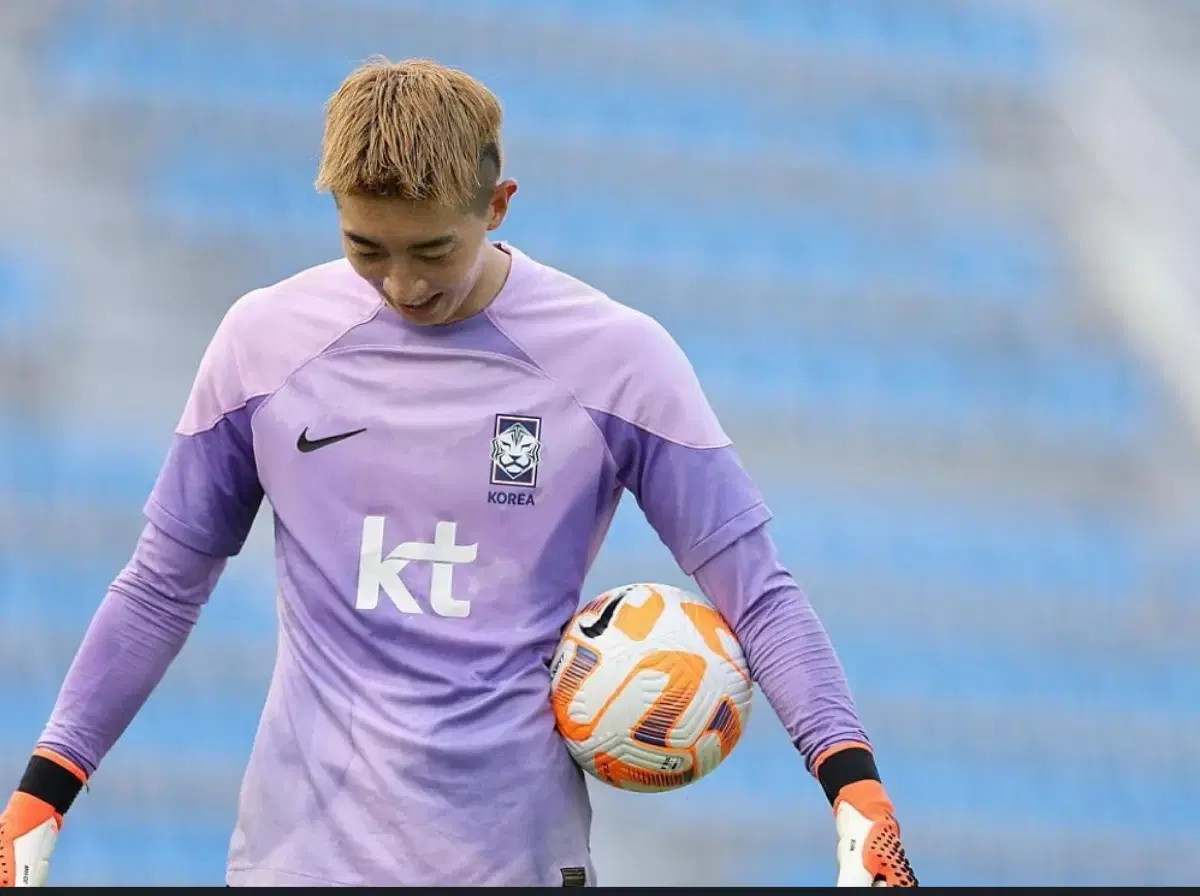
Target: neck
[492,277]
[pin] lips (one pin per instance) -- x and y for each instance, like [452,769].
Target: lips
[421,304]
[426,311]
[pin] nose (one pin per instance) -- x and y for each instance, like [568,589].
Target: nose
[401,287]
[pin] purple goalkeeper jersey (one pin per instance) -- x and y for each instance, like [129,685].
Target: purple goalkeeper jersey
[439,494]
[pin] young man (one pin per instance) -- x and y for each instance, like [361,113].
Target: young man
[420,602]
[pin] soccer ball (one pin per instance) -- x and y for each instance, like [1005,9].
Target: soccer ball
[650,688]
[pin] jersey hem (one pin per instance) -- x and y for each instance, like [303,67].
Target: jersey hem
[703,551]
[172,526]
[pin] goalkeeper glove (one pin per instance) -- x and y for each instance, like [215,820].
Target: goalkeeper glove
[868,851]
[30,824]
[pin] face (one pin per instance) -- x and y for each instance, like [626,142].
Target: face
[427,263]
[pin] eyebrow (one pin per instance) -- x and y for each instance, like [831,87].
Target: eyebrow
[435,243]
[361,240]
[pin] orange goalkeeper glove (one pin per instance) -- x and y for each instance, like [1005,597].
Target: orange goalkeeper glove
[30,824]
[869,852]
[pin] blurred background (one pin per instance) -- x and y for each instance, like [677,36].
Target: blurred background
[930,259]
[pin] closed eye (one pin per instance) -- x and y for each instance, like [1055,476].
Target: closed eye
[363,249]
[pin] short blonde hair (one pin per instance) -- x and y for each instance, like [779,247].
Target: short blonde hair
[415,130]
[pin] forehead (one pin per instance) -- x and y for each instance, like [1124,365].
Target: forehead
[389,221]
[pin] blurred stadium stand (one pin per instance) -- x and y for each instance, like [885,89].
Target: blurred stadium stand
[876,228]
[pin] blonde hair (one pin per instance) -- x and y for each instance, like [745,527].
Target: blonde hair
[415,130]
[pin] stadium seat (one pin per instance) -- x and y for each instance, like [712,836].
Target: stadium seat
[193,720]
[768,773]
[207,191]
[133,65]
[929,387]
[243,604]
[987,43]
[25,295]
[51,465]
[842,536]
[980,40]
[174,853]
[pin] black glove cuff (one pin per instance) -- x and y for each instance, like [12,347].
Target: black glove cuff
[845,767]
[51,783]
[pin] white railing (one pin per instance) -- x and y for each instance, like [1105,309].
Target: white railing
[1136,187]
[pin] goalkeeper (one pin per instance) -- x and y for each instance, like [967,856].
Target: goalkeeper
[425,578]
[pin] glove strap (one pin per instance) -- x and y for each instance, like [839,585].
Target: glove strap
[52,779]
[845,765]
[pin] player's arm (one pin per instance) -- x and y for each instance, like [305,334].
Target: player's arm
[673,455]
[794,663]
[199,514]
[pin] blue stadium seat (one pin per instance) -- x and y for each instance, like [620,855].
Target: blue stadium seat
[1003,45]
[199,720]
[25,463]
[190,730]
[921,541]
[25,719]
[25,295]
[52,466]
[45,590]
[243,605]
[135,64]
[48,591]
[975,39]
[132,854]
[1003,791]
[968,769]
[985,669]
[923,387]
[867,538]
[1182,565]
[207,190]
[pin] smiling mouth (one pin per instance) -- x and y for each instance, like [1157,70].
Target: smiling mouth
[421,304]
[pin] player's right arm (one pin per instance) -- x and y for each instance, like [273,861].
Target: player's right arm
[199,514]
[672,454]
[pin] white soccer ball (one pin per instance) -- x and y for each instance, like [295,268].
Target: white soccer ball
[650,688]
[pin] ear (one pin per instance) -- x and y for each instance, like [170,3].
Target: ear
[498,205]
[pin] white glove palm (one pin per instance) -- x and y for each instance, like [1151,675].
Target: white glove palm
[28,833]
[29,825]
[869,852]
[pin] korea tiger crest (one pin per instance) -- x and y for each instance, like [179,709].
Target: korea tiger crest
[516,450]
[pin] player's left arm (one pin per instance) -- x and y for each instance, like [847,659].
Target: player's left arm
[674,457]
[794,663]
[198,516]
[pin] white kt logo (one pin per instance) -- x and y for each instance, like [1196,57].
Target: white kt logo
[376,572]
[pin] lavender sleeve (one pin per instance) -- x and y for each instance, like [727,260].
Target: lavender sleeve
[199,513]
[789,654]
[208,492]
[672,454]
[138,630]
[698,500]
